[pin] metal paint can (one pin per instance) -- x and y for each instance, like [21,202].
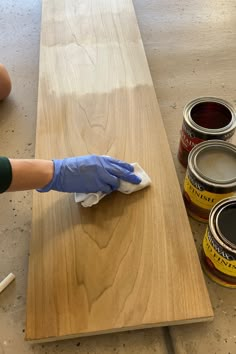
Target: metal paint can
[205,118]
[210,177]
[219,244]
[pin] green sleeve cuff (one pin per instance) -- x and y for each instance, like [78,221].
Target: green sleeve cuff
[5,174]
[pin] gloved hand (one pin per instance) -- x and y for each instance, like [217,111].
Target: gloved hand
[90,174]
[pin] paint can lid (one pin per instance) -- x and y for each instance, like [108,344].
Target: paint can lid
[215,162]
[225,223]
[222,221]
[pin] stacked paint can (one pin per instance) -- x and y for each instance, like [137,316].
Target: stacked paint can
[210,182]
[208,125]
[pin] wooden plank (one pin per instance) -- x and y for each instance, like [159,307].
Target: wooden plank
[129,262]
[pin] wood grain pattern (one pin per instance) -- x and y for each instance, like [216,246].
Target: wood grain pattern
[129,262]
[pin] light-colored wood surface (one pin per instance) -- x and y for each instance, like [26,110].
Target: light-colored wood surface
[129,262]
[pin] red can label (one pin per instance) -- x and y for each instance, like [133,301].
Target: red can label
[188,142]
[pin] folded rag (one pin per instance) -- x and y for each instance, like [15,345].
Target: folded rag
[87,200]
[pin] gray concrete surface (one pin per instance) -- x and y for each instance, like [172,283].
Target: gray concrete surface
[191,50]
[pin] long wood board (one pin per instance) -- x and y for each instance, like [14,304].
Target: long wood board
[129,262]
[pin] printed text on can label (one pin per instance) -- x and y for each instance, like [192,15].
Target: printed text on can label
[223,261]
[203,198]
[188,142]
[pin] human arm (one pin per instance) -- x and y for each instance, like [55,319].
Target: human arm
[30,174]
[84,174]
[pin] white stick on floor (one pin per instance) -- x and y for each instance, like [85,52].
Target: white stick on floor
[6,281]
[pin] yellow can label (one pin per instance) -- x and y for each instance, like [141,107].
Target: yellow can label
[201,197]
[221,259]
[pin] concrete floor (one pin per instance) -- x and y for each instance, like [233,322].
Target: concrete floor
[191,50]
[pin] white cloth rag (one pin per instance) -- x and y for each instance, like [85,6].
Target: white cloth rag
[87,200]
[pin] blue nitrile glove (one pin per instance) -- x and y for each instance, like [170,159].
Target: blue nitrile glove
[90,174]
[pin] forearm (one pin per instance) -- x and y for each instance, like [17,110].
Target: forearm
[30,174]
